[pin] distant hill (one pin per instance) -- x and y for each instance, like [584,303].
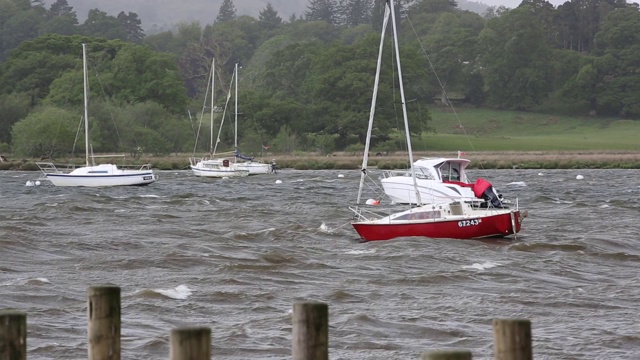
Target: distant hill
[164,15]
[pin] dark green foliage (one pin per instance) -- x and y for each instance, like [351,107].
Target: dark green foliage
[307,84]
[269,17]
[227,11]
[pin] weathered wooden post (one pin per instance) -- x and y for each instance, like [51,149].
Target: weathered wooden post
[13,335]
[310,331]
[190,344]
[447,355]
[103,314]
[512,339]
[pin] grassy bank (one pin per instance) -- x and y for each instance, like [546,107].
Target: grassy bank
[491,139]
[483,130]
[340,160]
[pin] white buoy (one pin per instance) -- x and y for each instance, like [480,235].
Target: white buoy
[373,202]
[37,182]
[579,177]
[278,181]
[29,183]
[340,175]
[540,174]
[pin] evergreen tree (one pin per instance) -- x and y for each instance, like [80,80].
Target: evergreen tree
[132,26]
[60,8]
[322,10]
[356,12]
[227,11]
[269,16]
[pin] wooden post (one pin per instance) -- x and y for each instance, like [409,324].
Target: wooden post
[447,355]
[310,331]
[512,339]
[103,314]
[190,344]
[13,335]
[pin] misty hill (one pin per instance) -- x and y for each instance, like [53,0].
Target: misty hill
[159,16]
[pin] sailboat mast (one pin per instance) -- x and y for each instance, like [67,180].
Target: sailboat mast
[372,111]
[235,131]
[213,81]
[86,103]
[404,102]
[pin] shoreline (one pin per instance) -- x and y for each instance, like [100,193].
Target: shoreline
[397,160]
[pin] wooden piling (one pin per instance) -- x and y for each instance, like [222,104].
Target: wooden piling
[310,340]
[103,314]
[13,335]
[512,339]
[190,344]
[447,355]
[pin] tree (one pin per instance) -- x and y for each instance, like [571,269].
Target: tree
[99,24]
[45,133]
[452,49]
[269,17]
[13,108]
[60,8]
[227,11]
[132,27]
[356,12]
[140,75]
[618,43]
[514,58]
[322,10]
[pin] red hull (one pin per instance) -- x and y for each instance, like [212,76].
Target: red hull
[487,226]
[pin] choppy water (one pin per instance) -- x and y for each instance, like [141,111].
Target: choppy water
[234,255]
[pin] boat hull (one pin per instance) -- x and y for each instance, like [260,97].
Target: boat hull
[255,168]
[500,224]
[216,168]
[126,178]
[219,173]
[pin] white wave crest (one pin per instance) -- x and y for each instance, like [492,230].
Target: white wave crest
[484,266]
[180,292]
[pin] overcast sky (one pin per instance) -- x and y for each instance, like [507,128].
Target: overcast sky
[164,13]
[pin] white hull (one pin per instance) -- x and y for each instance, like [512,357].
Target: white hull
[104,175]
[255,168]
[217,168]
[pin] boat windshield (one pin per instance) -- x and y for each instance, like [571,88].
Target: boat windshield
[451,172]
[423,173]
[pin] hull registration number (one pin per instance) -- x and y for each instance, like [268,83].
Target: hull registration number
[465,223]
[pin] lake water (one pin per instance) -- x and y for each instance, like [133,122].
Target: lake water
[234,255]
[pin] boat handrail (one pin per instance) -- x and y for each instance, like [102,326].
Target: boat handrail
[47,167]
[138,167]
[108,156]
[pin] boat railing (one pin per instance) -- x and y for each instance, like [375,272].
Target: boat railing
[136,167]
[48,167]
[364,214]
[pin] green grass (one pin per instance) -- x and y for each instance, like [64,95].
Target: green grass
[492,130]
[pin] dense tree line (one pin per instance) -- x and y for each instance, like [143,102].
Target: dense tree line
[305,82]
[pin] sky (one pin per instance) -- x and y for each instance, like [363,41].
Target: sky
[162,14]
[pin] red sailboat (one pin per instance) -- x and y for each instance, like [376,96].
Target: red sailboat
[457,219]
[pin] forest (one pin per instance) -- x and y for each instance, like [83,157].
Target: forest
[304,82]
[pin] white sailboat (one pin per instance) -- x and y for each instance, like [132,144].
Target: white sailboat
[212,166]
[255,167]
[449,218]
[92,175]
